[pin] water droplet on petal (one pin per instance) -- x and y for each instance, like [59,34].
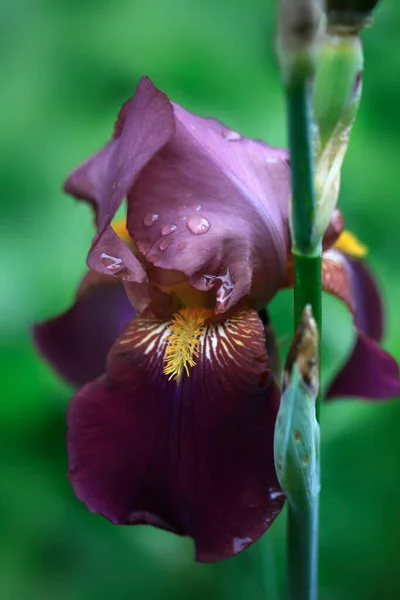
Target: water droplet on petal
[274,494]
[111,262]
[150,219]
[164,244]
[198,225]
[240,544]
[143,245]
[231,136]
[181,246]
[167,229]
[197,207]
[224,284]
[153,258]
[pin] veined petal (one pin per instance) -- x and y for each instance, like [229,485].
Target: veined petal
[189,453]
[370,372]
[214,205]
[76,343]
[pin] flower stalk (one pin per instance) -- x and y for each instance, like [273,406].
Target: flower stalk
[296,449]
[298,31]
[328,64]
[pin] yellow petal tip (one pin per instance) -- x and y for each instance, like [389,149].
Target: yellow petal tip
[349,244]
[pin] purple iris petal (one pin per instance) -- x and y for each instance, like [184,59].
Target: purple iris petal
[76,343]
[146,124]
[368,314]
[194,457]
[214,205]
[202,200]
[370,372]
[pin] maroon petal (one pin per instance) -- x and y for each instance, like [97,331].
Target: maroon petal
[194,456]
[335,228]
[370,372]
[214,205]
[145,124]
[76,343]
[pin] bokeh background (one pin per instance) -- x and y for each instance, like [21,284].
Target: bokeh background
[66,67]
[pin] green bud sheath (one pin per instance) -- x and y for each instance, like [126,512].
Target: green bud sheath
[338,73]
[296,441]
[336,97]
[296,447]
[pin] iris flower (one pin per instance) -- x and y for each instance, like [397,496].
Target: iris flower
[173,425]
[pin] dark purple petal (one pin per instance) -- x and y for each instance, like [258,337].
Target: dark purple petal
[214,205]
[194,457]
[368,315]
[76,343]
[120,262]
[370,372]
[335,228]
[146,123]
[350,281]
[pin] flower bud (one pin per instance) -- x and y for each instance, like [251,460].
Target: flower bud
[296,441]
[337,81]
[299,24]
[351,15]
[336,97]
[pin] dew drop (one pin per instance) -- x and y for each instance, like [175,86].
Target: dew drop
[150,219]
[114,265]
[240,544]
[111,263]
[274,494]
[153,258]
[167,229]
[143,245]
[181,246]
[190,206]
[198,225]
[231,136]
[224,285]
[164,244]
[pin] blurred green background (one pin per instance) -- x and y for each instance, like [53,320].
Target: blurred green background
[66,67]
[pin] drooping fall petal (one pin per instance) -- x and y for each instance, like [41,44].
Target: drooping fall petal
[192,454]
[370,372]
[76,343]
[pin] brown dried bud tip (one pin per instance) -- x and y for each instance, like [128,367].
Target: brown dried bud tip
[350,15]
[299,23]
[304,353]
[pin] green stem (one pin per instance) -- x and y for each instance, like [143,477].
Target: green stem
[303,551]
[301,160]
[307,290]
[303,520]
